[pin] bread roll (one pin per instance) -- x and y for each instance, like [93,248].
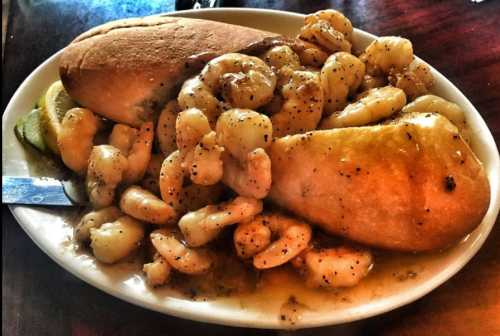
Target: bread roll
[126,70]
[413,185]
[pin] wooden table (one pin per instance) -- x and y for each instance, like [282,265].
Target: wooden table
[461,39]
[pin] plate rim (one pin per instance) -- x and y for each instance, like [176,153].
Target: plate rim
[409,296]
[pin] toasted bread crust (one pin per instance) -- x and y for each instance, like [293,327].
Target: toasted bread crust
[125,70]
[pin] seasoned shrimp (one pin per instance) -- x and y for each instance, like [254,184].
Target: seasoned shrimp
[415,81]
[165,128]
[311,55]
[281,56]
[95,219]
[337,20]
[171,179]
[158,271]
[182,258]
[302,104]
[76,136]
[107,166]
[152,176]
[431,103]
[143,205]
[113,241]
[251,237]
[322,34]
[243,81]
[376,104]
[247,170]
[195,196]
[340,77]
[294,236]
[334,267]
[203,225]
[123,137]
[140,154]
[206,166]
[387,53]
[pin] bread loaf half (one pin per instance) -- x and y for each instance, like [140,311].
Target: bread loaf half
[125,70]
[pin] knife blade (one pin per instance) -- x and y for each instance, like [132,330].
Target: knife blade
[42,191]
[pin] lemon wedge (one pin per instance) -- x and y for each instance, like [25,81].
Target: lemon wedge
[53,106]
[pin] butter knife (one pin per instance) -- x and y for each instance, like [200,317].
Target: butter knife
[42,191]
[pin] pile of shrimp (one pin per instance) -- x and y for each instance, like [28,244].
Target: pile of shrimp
[174,185]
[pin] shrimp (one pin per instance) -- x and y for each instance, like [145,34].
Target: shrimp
[182,258]
[197,146]
[206,167]
[158,271]
[203,225]
[242,81]
[95,219]
[251,237]
[165,128]
[281,56]
[143,205]
[113,241]
[294,236]
[387,53]
[302,104]
[334,267]
[75,139]
[140,154]
[195,196]
[123,137]
[431,103]
[171,179]
[376,104]
[340,77]
[311,55]
[322,34]
[152,176]
[415,81]
[107,166]
[336,19]
[247,170]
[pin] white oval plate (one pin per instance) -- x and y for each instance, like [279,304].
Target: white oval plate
[379,293]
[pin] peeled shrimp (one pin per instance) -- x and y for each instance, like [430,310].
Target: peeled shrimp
[140,154]
[95,219]
[171,179]
[206,166]
[371,82]
[165,128]
[114,241]
[251,237]
[195,196]
[142,204]
[76,137]
[107,166]
[184,259]
[415,81]
[335,267]
[431,103]
[241,132]
[336,19]
[152,176]
[387,53]
[281,56]
[376,104]
[322,34]
[293,237]
[123,137]
[203,225]
[340,77]
[198,148]
[302,104]
[311,55]
[158,271]
[243,81]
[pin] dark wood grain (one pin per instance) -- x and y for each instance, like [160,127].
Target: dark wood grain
[461,39]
